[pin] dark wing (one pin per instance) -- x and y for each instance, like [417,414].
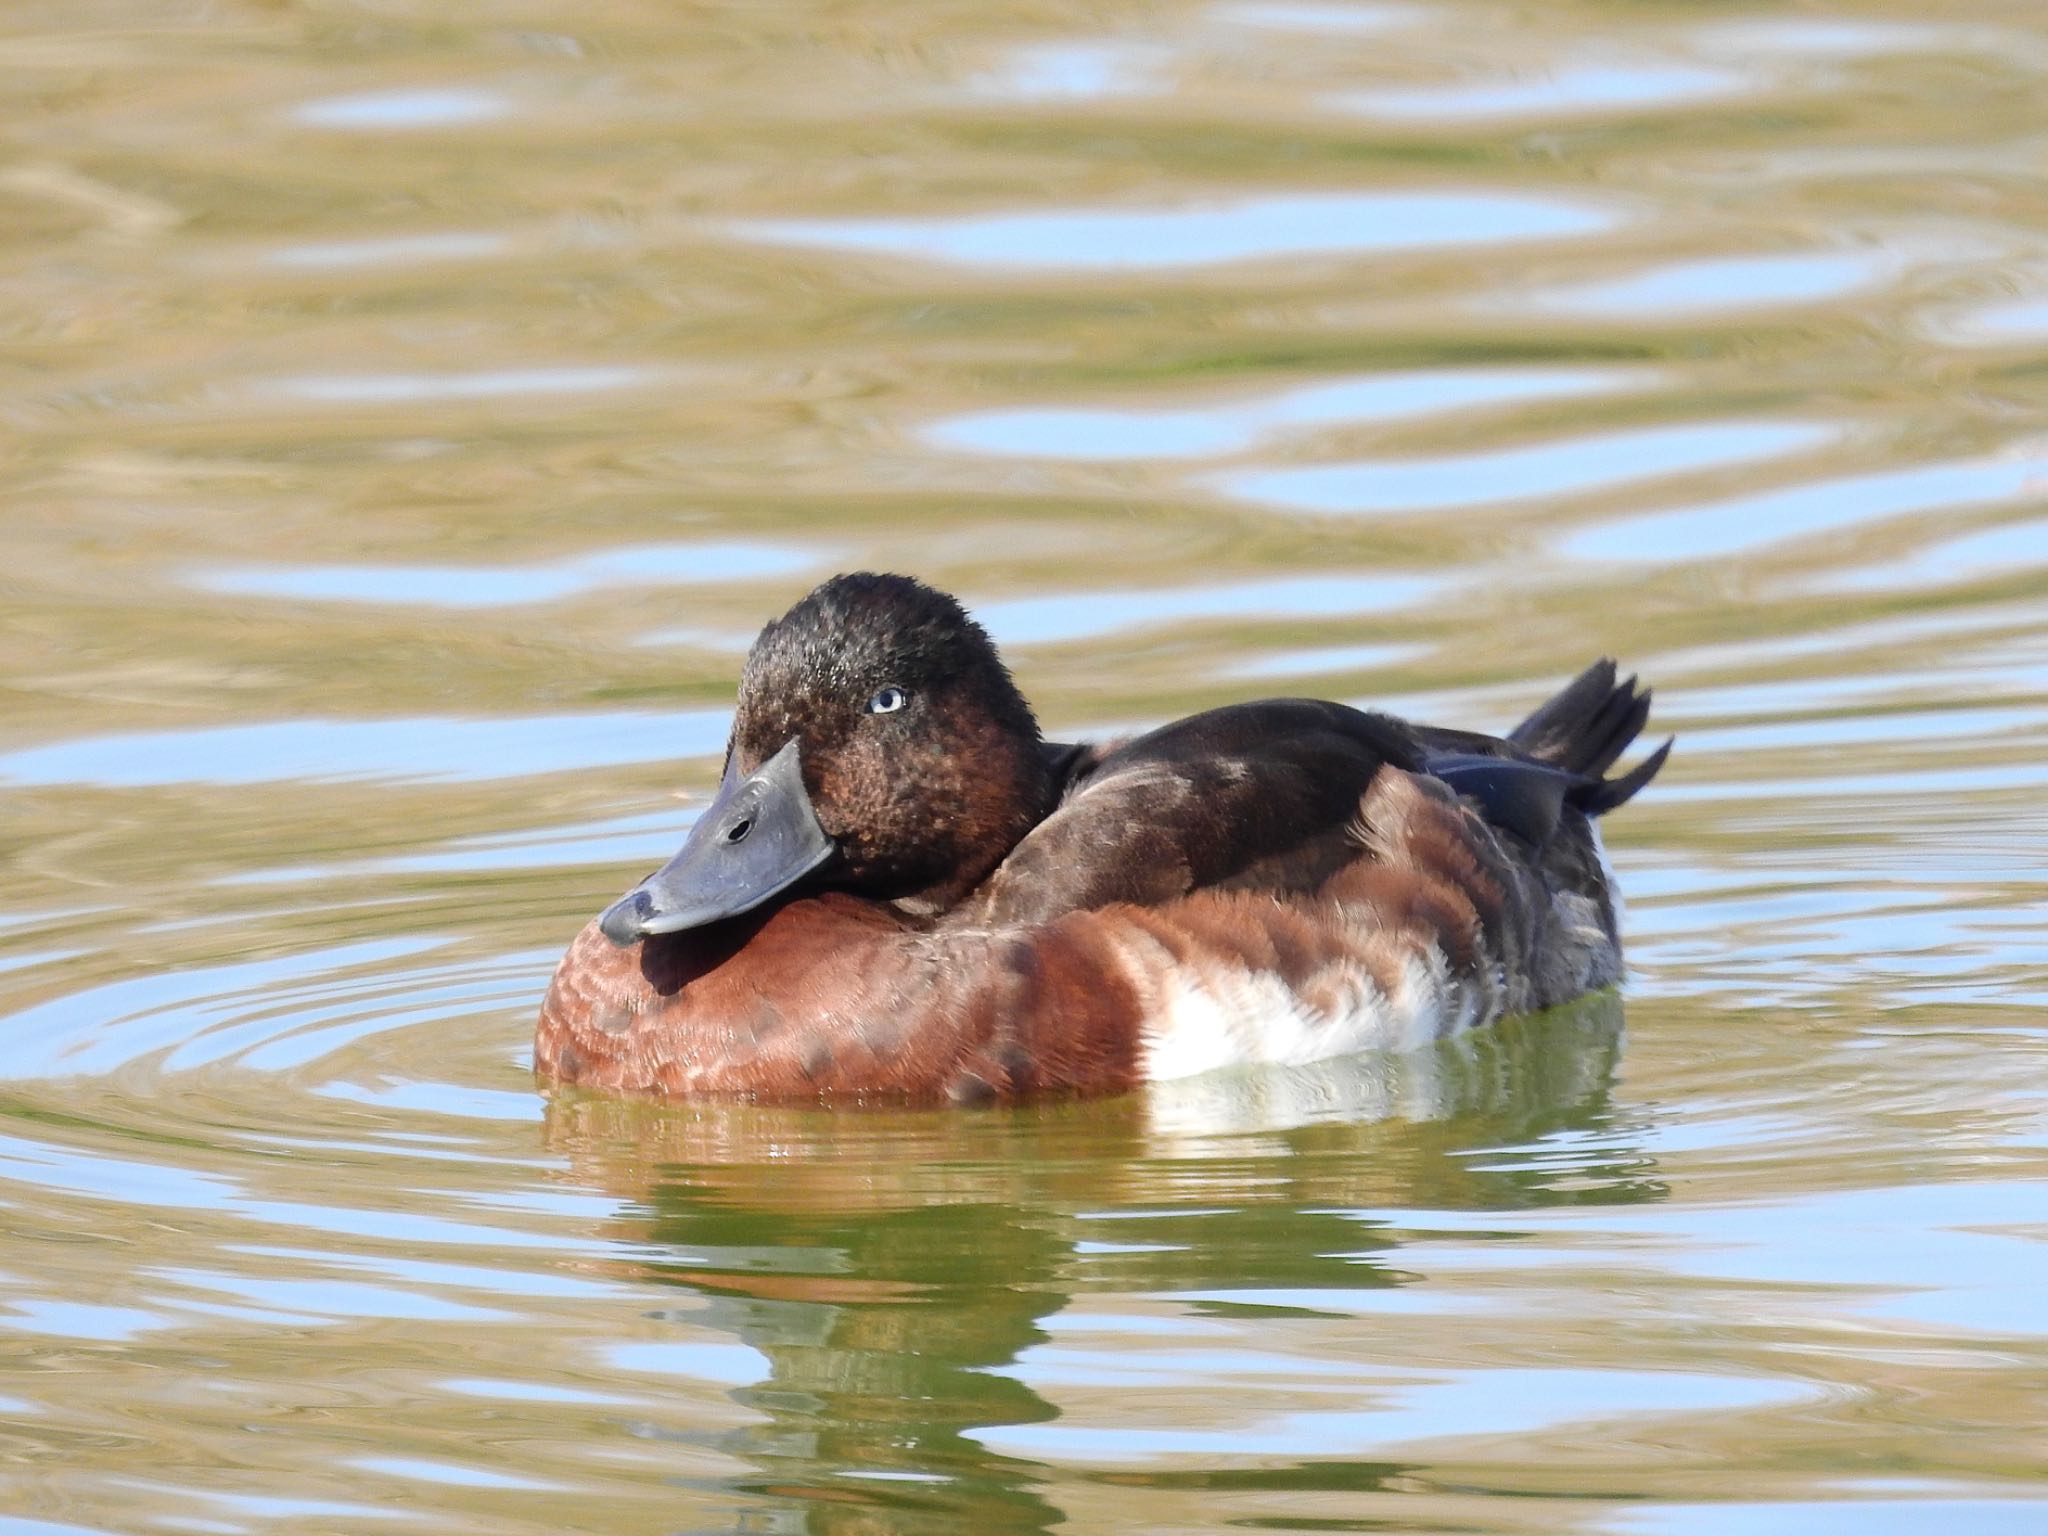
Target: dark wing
[1265,796]
[1524,798]
[1252,794]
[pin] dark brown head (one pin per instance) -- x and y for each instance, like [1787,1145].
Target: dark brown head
[879,742]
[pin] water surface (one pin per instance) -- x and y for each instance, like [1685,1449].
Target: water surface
[409,415]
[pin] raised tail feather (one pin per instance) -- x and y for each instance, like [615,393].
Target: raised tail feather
[1585,729]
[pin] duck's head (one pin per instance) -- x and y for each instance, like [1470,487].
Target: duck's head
[879,746]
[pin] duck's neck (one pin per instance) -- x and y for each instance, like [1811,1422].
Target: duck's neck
[1015,788]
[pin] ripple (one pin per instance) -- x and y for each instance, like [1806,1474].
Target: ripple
[252,1032]
[1898,1251]
[280,1015]
[1215,430]
[1727,528]
[457,1100]
[395,250]
[484,586]
[1113,240]
[447,1473]
[48,1166]
[482,384]
[1699,288]
[273,1507]
[97,1029]
[1899,784]
[1835,38]
[1575,89]
[416,749]
[1576,466]
[534,1392]
[1990,552]
[1330,1301]
[616,841]
[1332,20]
[2007,323]
[1895,727]
[303,1297]
[1412,1406]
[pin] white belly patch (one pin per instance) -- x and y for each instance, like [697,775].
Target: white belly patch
[1205,1018]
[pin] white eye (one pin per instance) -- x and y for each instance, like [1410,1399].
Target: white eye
[888,701]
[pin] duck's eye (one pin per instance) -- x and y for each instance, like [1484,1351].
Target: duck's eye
[888,701]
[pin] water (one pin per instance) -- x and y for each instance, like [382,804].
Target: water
[410,414]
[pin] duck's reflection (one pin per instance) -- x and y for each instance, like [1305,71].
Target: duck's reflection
[887,1263]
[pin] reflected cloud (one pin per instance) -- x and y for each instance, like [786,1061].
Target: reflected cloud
[1105,435]
[1076,71]
[416,749]
[482,586]
[373,111]
[1724,283]
[1750,522]
[1114,240]
[698,1360]
[1573,90]
[1577,466]
[1904,1507]
[78,1320]
[1335,658]
[329,1299]
[1053,620]
[418,1097]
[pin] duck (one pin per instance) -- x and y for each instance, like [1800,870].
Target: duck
[901,891]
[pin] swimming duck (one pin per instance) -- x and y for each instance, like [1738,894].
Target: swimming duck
[901,891]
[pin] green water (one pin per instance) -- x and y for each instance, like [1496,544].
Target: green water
[409,412]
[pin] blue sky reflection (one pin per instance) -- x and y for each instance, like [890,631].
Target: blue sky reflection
[484,586]
[1734,527]
[1054,620]
[1207,431]
[1576,466]
[1117,239]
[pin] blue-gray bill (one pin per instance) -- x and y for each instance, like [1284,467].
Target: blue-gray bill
[756,839]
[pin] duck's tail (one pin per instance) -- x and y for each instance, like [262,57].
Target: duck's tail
[1585,729]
